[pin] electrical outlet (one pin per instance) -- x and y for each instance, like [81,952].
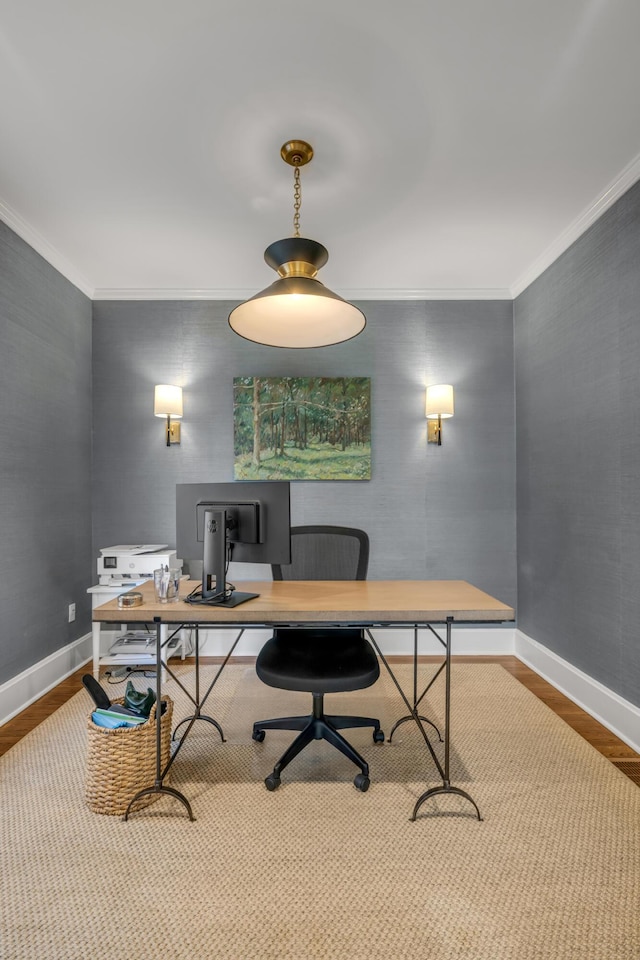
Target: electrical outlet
[72,612]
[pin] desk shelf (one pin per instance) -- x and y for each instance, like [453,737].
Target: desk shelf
[106,634]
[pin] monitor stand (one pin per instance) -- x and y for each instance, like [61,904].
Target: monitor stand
[236,598]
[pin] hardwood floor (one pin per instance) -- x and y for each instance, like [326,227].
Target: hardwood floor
[28,719]
[626,759]
[605,742]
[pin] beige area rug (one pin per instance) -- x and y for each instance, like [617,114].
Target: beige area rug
[318,870]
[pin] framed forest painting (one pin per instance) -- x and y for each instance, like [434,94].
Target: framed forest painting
[302,428]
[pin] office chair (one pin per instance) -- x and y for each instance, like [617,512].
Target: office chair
[320,660]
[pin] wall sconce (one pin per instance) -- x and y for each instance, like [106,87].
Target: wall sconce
[439,407]
[168,403]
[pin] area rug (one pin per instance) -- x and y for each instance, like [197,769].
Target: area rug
[318,870]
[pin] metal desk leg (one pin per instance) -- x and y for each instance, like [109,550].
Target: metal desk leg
[95,638]
[446,783]
[158,786]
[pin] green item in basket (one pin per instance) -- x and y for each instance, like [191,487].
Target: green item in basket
[138,701]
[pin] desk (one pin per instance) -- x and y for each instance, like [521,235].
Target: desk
[370,604]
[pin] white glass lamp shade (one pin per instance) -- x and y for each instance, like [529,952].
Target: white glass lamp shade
[296,310]
[167,401]
[439,401]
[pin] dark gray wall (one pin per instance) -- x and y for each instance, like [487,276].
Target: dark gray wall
[445,512]
[430,512]
[577,348]
[45,439]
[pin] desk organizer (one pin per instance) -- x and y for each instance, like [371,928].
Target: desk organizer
[122,761]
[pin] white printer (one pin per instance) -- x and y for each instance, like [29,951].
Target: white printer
[127,565]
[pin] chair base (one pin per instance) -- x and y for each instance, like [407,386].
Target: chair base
[319,726]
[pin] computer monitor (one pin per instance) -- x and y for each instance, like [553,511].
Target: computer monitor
[241,521]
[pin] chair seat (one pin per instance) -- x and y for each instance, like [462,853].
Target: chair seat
[317,661]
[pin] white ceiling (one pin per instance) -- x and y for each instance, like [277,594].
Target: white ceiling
[459,146]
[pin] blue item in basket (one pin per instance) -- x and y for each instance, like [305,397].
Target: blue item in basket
[110,721]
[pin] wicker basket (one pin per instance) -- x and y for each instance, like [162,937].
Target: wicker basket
[121,761]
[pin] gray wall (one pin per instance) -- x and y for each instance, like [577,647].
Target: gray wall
[45,439]
[430,512]
[445,512]
[577,348]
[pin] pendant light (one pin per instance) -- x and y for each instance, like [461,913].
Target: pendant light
[296,310]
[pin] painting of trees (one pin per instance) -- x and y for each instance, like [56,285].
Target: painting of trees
[302,428]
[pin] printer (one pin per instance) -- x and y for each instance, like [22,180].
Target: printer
[128,565]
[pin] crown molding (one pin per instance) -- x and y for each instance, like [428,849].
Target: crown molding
[37,242]
[480,293]
[430,293]
[589,215]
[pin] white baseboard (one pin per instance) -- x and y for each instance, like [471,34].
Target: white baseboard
[612,711]
[619,716]
[21,691]
[466,641]
[16,694]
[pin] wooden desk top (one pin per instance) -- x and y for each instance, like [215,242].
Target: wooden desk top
[323,601]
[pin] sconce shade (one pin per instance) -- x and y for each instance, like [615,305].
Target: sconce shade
[167,401]
[296,310]
[439,401]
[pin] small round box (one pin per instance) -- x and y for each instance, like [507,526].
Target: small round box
[132,599]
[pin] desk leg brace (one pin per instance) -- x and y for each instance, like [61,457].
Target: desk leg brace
[158,786]
[413,714]
[418,699]
[197,702]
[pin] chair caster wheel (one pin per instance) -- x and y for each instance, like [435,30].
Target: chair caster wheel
[362,782]
[271,782]
[258,735]
[378,736]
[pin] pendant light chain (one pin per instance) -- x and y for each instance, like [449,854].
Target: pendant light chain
[297,198]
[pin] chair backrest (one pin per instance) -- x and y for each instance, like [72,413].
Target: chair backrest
[325,553]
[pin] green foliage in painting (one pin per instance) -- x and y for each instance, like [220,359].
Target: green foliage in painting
[302,428]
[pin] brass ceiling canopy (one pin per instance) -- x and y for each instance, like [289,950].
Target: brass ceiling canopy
[297,153]
[297,310]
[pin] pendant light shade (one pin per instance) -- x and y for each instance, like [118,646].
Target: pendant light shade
[297,310]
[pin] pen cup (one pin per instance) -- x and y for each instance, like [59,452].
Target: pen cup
[161,584]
